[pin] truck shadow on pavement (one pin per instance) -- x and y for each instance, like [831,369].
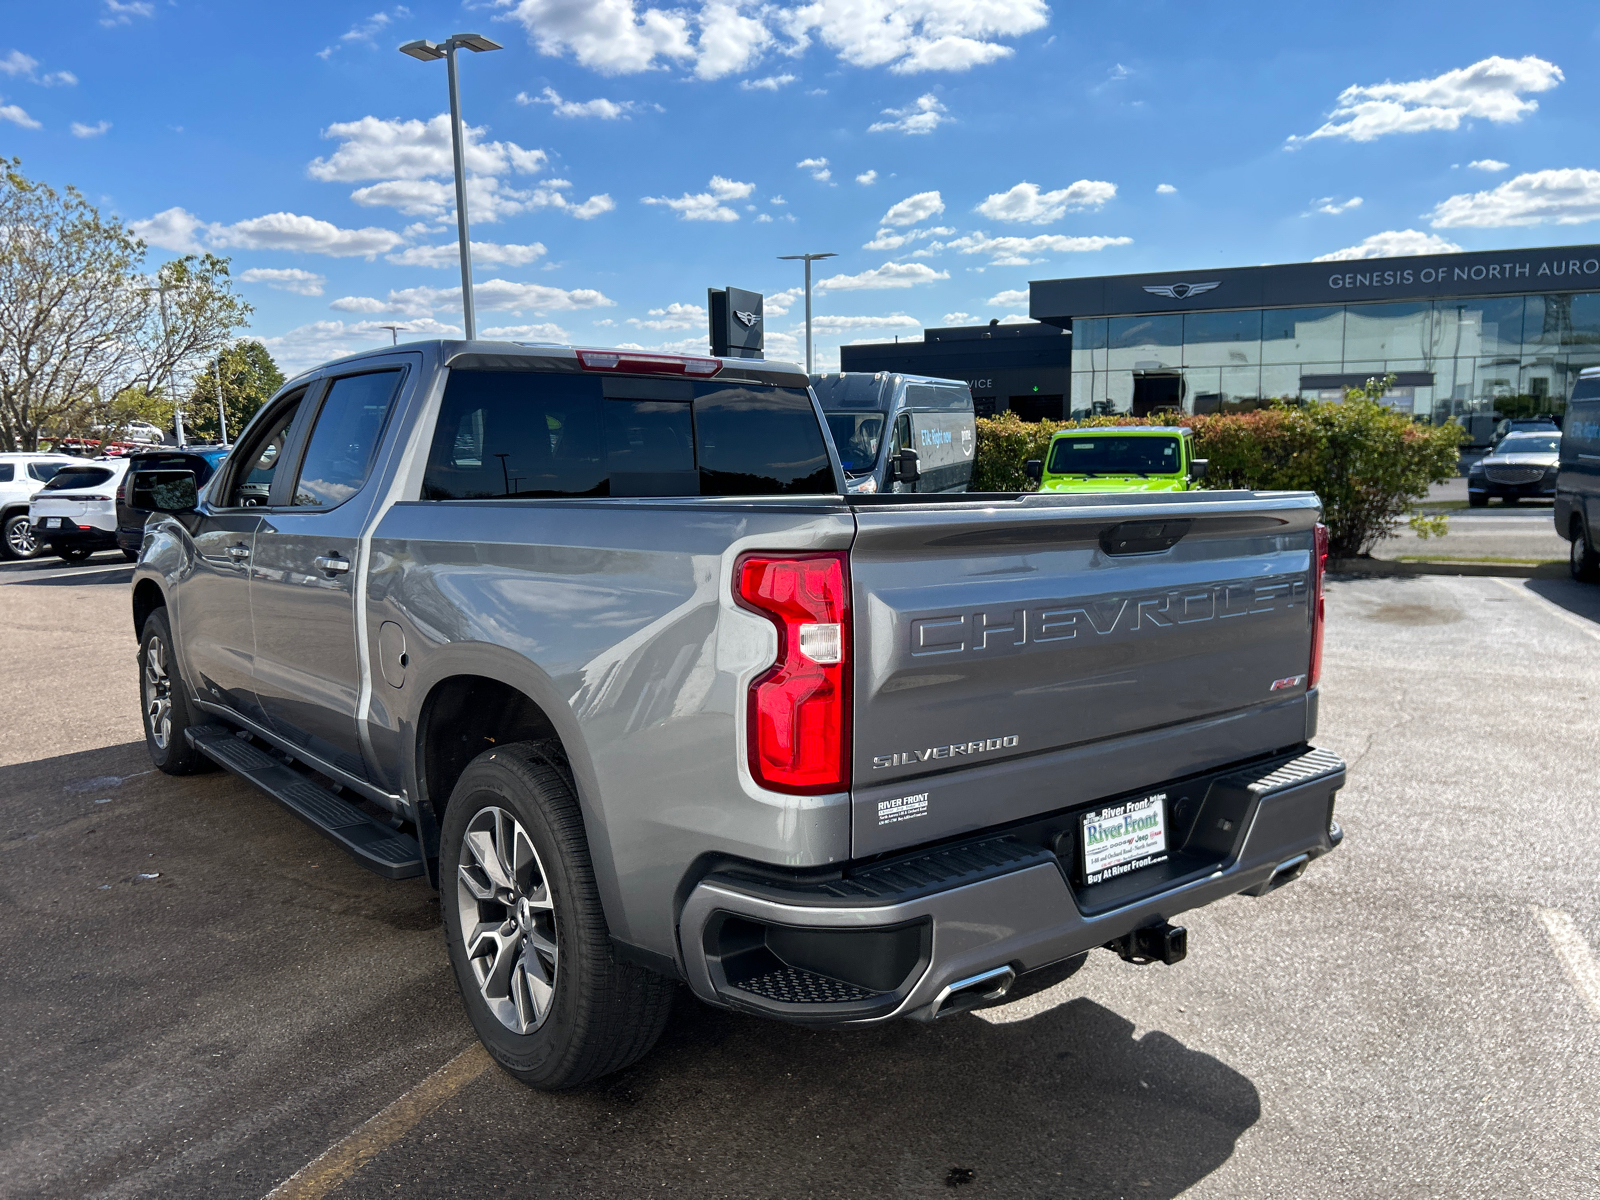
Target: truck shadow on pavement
[1579,599]
[1068,1103]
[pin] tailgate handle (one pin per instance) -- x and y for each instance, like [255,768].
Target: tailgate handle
[1143,537]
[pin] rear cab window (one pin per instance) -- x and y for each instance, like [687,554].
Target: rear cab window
[533,435]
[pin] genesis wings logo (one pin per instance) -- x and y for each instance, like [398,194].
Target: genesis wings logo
[749,319]
[1180,291]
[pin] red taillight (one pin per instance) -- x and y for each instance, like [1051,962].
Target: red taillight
[799,711]
[635,362]
[1319,564]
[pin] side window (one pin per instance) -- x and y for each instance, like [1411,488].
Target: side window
[8,473]
[517,434]
[760,441]
[339,456]
[258,461]
[44,472]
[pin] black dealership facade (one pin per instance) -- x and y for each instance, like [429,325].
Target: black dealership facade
[1466,335]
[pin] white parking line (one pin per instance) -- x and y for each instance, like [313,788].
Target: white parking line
[1555,610]
[1574,954]
[19,577]
[351,1152]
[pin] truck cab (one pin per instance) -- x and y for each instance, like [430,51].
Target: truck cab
[875,419]
[1131,459]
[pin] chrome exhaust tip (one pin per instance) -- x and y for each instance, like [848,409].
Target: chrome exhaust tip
[972,991]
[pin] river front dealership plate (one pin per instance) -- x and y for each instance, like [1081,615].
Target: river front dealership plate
[1124,837]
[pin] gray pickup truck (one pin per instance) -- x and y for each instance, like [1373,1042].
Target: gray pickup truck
[595,641]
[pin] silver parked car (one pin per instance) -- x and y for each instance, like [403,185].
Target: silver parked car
[1522,467]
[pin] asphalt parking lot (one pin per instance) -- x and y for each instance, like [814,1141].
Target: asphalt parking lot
[203,997]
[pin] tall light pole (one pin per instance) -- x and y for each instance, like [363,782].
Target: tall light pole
[808,259]
[222,411]
[394,332]
[161,290]
[426,51]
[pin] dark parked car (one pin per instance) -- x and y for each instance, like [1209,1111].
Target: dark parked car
[1522,467]
[1512,425]
[148,470]
[1578,484]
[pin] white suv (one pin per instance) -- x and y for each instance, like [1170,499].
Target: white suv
[75,514]
[21,475]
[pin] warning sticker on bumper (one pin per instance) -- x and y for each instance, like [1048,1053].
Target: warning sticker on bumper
[1124,837]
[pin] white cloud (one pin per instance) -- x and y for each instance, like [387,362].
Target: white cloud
[1569,196]
[1488,164]
[1490,88]
[764,219]
[373,148]
[18,116]
[913,209]
[957,318]
[118,13]
[1165,189]
[886,239]
[835,325]
[1008,299]
[1016,319]
[80,130]
[769,83]
[364,32]
[17,64]
[923,115]
[286,279]
[307,345]
[360,304]
[178,229]
[59,79]
[546,332]
[777,200]
[707,205]
[890,275]
[1026,204]
[779,303]
[673,316]
[488,199]
[1020,252]
[493,295]
[867,178]
[725,37]
[818,168]
[1333,208]
[1392,243]
[484,254]
[606,110]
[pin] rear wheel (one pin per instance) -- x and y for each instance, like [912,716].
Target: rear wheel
[527,937]
[1477,500]
[1509,500]
[72,554]
[1583,561]
[165,700]
[18,540]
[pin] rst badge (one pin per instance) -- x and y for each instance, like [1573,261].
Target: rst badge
[1283,685]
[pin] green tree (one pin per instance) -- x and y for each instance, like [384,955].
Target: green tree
[249,378]
[81,324]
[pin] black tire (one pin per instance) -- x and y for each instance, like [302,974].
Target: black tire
[1509,501]
[72,554]
[1583,561]
[1477,501]
[130,555]
[164,726]
[600,1015]
[16,542]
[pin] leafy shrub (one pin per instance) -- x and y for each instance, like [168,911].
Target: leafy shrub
[1367,462]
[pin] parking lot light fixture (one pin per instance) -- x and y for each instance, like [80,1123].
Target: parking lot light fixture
[808,259]
[426,51]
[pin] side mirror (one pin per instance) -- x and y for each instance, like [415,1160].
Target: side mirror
[1198,468]
[904,467]
[1034,469]
[170,492]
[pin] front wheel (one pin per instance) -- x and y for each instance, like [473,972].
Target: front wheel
[72,554]
[1477,500]
[1582,559]
[526,935]
[18,540]
[165,700]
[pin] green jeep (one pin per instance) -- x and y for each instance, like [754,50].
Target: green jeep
[1128,459]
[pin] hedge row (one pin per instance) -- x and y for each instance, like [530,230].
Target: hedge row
[1367,462]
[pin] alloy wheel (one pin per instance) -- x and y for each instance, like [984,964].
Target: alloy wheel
[20,541]
[508,919]
[158,692]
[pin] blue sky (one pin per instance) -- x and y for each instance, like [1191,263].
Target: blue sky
[628,156]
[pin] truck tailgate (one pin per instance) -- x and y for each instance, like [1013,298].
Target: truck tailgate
[1022,656]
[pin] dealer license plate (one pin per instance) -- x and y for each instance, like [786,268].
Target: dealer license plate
[1125,837]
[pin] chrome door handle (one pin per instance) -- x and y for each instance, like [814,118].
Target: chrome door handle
[332,563]
[239,552]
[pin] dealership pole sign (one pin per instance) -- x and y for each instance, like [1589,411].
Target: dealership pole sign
[1423,277]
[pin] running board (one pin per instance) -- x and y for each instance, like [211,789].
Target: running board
[370,842]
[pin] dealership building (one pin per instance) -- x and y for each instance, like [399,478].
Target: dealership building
[1463,334]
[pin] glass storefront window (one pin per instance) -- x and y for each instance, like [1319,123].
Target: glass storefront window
[1221,339]
[1144,343]
[1089,344]
[1476,328]
[1281,381]
[1292,335]
[1384,331]
[1240,383]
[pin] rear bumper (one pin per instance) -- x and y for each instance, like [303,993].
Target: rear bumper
[967,910]
[73,535]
